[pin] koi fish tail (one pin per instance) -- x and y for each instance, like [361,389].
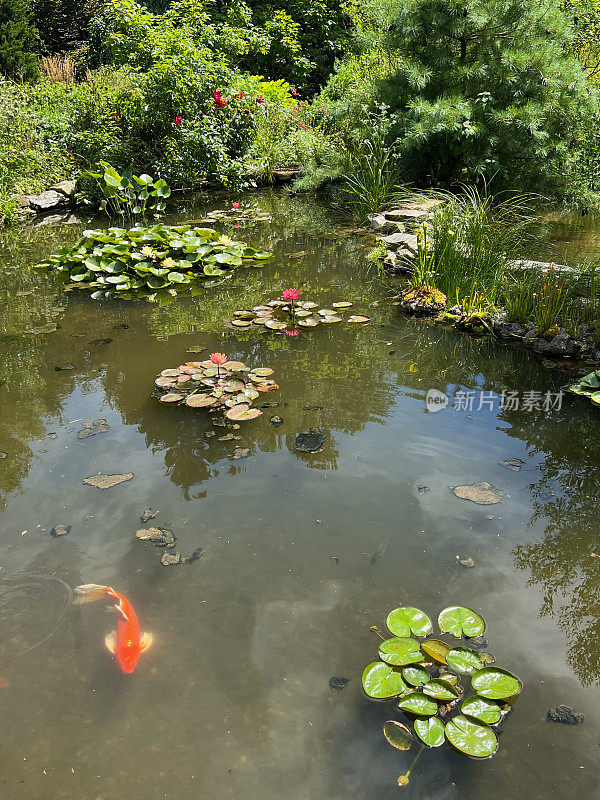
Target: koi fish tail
[89,592]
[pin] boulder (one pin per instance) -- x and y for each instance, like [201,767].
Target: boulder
[540,266]
[64,187]
[413,211]
[509,330]
[46,201]
[405,241]
[561,345]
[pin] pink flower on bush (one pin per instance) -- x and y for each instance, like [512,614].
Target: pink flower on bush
[235,205]
[237,225]
[290,294]
[292,332]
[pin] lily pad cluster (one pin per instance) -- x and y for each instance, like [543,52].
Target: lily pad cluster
[430,679]
[281,315]
[143,260]
[230,388]
[588,386]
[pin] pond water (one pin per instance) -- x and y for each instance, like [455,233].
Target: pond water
[302,552]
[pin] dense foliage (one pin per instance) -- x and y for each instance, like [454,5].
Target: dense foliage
[498,94]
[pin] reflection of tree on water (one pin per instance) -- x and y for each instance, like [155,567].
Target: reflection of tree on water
[562,563]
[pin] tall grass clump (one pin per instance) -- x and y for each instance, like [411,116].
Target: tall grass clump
[473,237]
[372,181]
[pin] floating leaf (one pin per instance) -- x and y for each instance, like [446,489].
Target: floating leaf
[406,620]
[200,401]
[108,481]
[242,413]
[459,620]
[308,323]
[416,675]
[342,304]
[470,737]
[326,312]
[359,318]
[165,382]
[481,709]
[241,323]
[275,325]
[172,397]
[234,386]
[398,735]
[382,681]
[440,690]
[331,318]
[430,731]
[261,372]
[494,683]
[436,649]
[464,661]
[418,703]
[400,651]
[235,366]
[170,373]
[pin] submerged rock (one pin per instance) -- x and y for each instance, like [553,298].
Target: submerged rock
[467,562]
[482,493]
[160,537]
[309,441]
[565,715]
[241,452]
[276,421]
[65,366]
[60,530]
[562,345]
[338,683]
[147,514]
[513,463]
[91,428]
[193,556]
[168,559]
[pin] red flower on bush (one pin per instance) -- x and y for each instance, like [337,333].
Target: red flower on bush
[178,119]
[218,100]
[260,98]
[235,205]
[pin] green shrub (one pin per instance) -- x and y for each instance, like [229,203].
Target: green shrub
[18,41]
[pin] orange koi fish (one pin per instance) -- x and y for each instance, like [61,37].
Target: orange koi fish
[126,643]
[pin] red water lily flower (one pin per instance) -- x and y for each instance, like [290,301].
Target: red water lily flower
[290,294]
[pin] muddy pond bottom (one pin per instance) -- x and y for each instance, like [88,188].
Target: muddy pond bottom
[297,553]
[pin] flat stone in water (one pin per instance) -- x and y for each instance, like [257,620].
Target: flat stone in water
[276,421]
[467,562]
[482,493]
[60,530]
[108,481]
[66,365]
[512,463]
[565,715]
[241,452]
[309,441]
[3,455]
[91,428]
[193,556]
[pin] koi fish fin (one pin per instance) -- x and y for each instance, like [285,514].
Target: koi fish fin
[111,641]
[146,641]
[89,592]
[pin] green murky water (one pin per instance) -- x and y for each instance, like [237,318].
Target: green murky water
[233,699]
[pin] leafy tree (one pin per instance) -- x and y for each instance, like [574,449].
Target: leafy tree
[64,24]
[584,43]
[483,91]
[18,40]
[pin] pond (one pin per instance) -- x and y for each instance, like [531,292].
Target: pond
[302,552]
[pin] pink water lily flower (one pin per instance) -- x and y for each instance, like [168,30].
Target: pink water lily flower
[290,294]
[235,205]
[292,332]
[218,358]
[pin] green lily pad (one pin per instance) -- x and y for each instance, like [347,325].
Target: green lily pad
[471,738]
[415,675]
[481,709]
[418,703]
[382,681]
[436,649]
[440,690]
[397,734]
[406,620]
[464,661]
[494,683]
[430,731]
[400,651]
[459,620]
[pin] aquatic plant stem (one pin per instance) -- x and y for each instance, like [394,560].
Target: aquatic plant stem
[376,630]
[403,779]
